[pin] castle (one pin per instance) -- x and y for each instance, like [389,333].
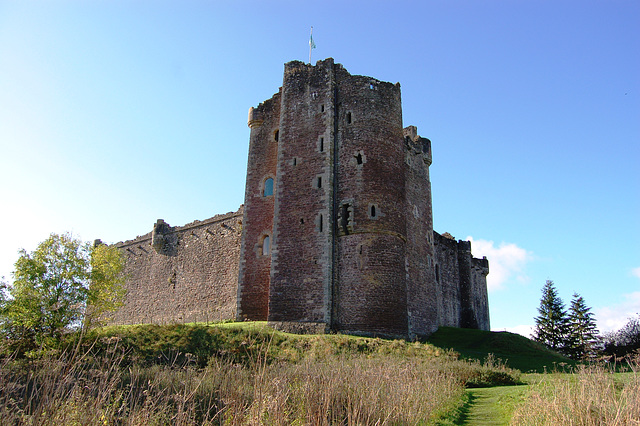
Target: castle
[336,232]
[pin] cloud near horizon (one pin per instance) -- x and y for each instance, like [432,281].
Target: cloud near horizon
[507,261]
[636,272]
[612,318]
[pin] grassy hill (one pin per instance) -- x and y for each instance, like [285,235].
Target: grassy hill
[516,350]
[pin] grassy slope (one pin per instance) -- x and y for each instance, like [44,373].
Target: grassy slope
[517,351]
[239,340]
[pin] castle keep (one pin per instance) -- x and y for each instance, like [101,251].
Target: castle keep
[336,233]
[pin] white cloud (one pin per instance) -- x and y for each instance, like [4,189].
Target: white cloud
[636,272]
[506,261]
[612,318]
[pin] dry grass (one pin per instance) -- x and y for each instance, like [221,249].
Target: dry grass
[593,395]
[352,390]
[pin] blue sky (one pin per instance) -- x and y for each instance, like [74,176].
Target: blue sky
[116,113]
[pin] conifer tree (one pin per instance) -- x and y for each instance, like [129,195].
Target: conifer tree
[552,324]
[583,333]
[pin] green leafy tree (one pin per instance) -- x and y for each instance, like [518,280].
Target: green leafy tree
[53,286]
[582,341]
[552,323]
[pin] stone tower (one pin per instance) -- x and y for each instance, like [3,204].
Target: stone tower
[337,228]
[336,231]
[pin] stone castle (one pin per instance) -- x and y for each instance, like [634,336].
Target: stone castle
[336,232]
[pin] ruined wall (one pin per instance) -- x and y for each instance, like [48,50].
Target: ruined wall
[447,280]
[462,282]
[182,274]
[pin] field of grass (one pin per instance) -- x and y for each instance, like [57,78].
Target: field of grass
[239,374]
[249,374]
[515,350]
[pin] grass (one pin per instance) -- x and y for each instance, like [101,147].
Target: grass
[238,374]
[515,350]
[247,373]
[591,395]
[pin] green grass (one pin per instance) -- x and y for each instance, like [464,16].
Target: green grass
[517,351]
[492,406]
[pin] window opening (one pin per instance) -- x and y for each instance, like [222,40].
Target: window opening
[276,135]
[320,224]
[345,218]
[266,245]
[437,273]
[348,118]
[268,187]
[295,161]
[359,158]
[321,144]
[322,108]
[372,86]
[319,181]
[373,211]
[301,221]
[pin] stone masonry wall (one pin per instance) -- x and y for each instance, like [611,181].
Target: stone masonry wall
[257,244]
[183,274]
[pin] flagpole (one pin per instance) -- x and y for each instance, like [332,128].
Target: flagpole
[311,44]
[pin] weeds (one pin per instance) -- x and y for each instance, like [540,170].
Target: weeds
[592,395]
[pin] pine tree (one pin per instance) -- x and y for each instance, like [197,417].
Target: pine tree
[552,325]
[583,333]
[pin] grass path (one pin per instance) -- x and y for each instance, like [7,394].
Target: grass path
[491,406]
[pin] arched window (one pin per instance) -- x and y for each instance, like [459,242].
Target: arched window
[268,187]
[266,245]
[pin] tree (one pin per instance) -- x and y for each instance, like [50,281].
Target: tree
[552,323]
[53,285]
[624,341]
[583,333]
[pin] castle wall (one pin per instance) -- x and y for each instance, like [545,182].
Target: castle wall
[255,259]
[447,281]
[301,255]
[182,274]
[371,231]
[337,227]
[423,295]
[462,282]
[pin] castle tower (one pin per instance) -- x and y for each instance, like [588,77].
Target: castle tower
[336,231]
[337,227]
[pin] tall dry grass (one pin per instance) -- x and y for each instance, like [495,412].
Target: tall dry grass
[352,390]
[593,395]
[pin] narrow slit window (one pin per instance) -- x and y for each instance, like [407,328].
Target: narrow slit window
[266,245]
[359,158]
[319,181]
[322,108]
[268,187]
[348,118]
[321,144]
[276,135]
[373,211]
[320,223]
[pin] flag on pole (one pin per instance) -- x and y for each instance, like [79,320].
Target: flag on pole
[312,45]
